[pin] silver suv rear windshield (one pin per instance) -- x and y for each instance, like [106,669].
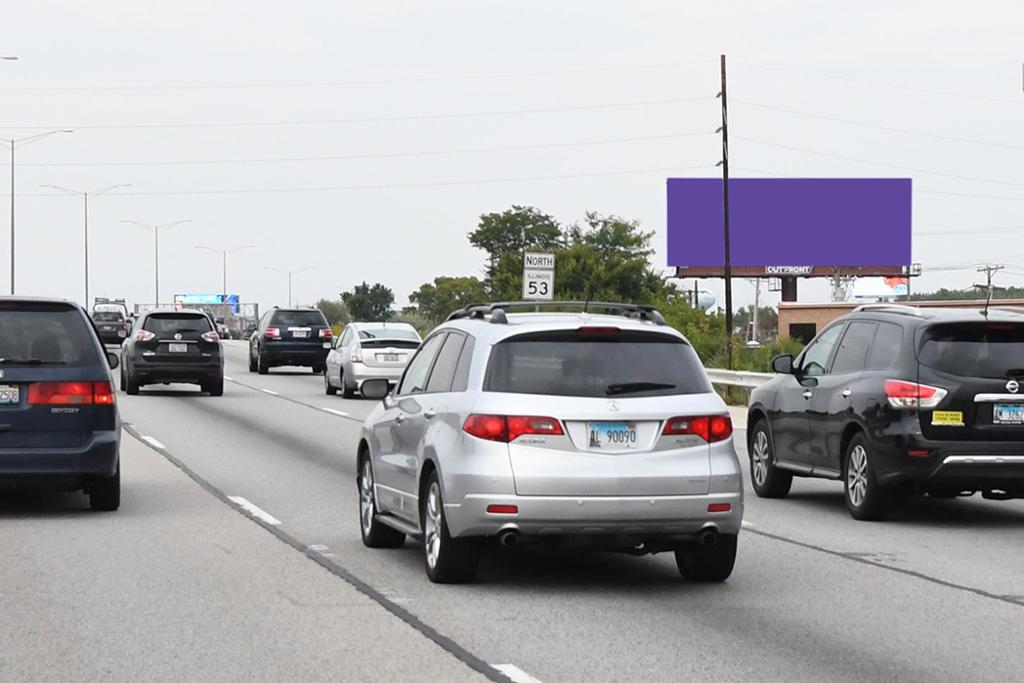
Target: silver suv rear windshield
[45,334]
[986,349]
[574,363]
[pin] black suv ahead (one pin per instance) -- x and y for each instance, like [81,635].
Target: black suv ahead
[290,336]
[894,399]
[58,409]
[173,346]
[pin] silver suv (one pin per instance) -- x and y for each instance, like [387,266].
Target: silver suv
[588,430]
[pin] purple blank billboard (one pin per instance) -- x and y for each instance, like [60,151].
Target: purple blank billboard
[790,222]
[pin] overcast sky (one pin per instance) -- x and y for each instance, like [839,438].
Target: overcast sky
[117,71]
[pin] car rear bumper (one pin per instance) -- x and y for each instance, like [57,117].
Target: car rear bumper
[112,338]
[361,373]
[967,465]
[178,372]
[292,353]
[98,458]
[596,516]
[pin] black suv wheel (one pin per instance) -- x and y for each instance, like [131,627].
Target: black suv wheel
[865,498]
[767,480]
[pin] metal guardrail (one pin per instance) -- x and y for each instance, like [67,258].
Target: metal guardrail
[738,378]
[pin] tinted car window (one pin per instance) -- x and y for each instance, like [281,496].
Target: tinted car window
[415,379]
[991,350]
[853,349]
[45,334]
[447,360]
[166,325]
[107,317]
[815,358]
[388,333]
[570,364]
[298,318]
[461,381]
[886,347]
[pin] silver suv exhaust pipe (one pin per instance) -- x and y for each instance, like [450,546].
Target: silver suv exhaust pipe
[708,537]
[508,538]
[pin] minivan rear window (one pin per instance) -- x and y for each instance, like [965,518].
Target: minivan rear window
[188,325]
[990,349]
[567,363]
[45,334]
[298,318]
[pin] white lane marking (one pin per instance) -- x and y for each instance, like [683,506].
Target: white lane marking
[154,443]
[515,673]
[230,379]
[332,411]
[748,525]
[254,510]
[268,391]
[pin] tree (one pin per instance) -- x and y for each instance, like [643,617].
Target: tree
[434,301]
[366,303]
[334,311]
[514,231]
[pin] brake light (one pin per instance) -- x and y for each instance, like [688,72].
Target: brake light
[326,333]
[509,428]
[210,336]
[144,335]
[902,394]
[357,354]
[503,509]
[71,393]
[272,333]
[711,428]
[597,330]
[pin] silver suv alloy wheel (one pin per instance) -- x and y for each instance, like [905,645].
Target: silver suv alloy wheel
[857,475]
[366,499]
[759,455]
[432,525]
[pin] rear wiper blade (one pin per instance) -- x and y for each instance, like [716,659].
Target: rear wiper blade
[30,361]
[632,387]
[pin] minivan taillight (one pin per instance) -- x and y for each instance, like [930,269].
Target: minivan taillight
[507,428]
[71,393]
[210,336]
[711,428]
[903,394]
[144,335]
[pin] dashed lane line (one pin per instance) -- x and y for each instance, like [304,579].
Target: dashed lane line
[270,391]
[339,413]
[516,674]
[154,443]
[336,413]
[254,510]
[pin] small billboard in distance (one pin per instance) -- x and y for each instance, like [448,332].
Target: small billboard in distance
[790,226]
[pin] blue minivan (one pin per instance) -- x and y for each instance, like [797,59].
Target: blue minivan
[59,424]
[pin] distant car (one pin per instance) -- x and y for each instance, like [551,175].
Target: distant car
[369,351]
[290,336]
[178,346]
[111,323]
[57,400]
[589,430]
[893,399]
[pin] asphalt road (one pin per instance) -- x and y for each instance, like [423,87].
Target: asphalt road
[936,593]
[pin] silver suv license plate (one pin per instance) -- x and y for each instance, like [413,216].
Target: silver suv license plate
[614,436]
[10,393]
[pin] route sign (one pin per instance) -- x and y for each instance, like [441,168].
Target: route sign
[538,276]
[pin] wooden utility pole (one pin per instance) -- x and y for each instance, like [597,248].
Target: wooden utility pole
[725,215]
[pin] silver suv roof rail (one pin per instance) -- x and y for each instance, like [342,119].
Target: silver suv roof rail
[497,310]
[890,308]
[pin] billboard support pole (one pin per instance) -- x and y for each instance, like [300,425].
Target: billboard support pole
[725,215]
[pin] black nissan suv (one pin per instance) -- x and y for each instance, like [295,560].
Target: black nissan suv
[167,346]
[894,399]
[290,336]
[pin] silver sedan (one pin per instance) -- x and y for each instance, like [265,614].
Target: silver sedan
[369,351]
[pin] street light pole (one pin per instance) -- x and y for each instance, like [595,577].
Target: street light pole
[289,273]
[85,202]
[156,250]
[12,144]
[224,261]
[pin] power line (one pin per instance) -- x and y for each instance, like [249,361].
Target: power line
[356,82]
[879,163]
[891,129]
[387,186]
[375,119]
[377,155]
[882,84]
